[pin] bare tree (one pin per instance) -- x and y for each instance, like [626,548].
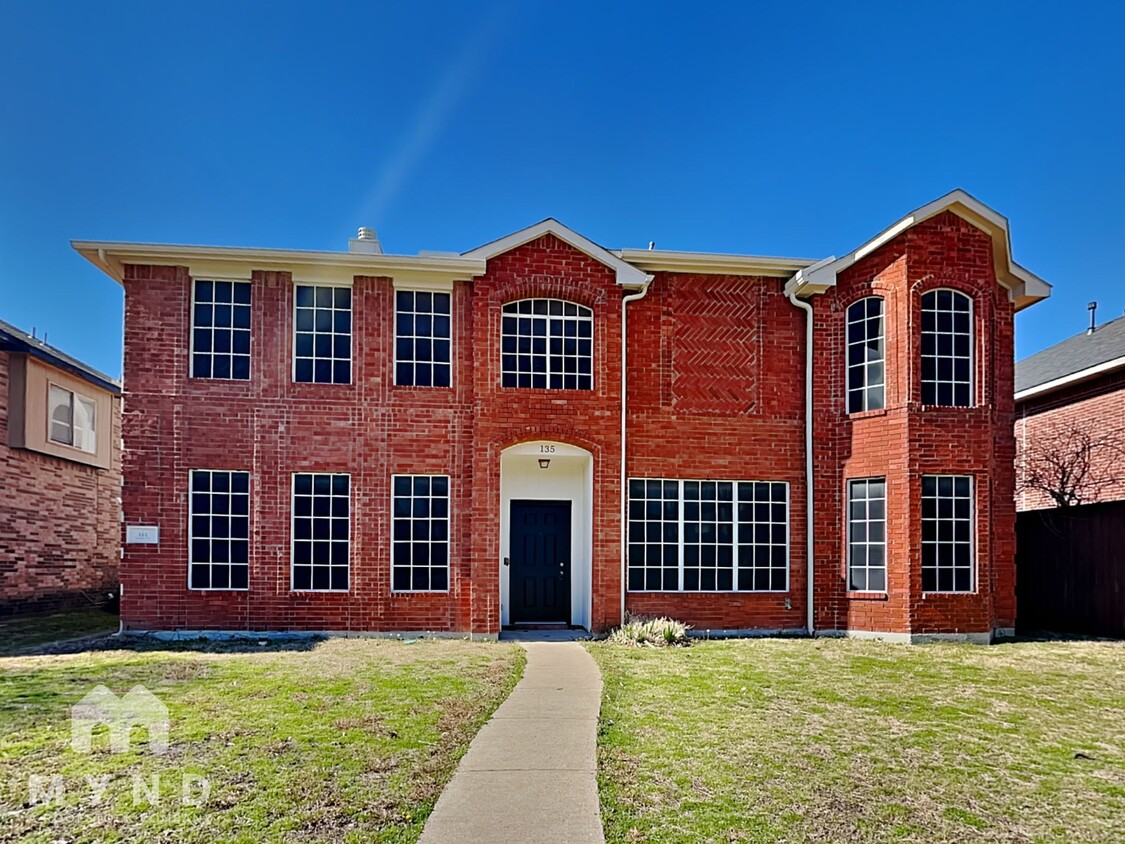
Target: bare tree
[1071,464]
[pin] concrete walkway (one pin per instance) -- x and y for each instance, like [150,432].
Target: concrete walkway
[530,775]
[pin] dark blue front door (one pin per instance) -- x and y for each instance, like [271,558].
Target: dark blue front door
[539,579]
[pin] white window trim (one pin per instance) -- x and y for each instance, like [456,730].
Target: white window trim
[191,334]
[847,363]
[394,335]
[250,535]
[680,539]
[299,282]
[74,397]
[972,347]
[886,521]
[973,563]
[293,531]
[448,542]
[593,346]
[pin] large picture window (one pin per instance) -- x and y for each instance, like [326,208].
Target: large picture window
[866,356]
[867,535]
[420,543]
[323,335]
[547,344]
[220,330]
[708,536]
[947,349]
[71,419]
[321,531]
[219,530]
[947,533]
[422,338]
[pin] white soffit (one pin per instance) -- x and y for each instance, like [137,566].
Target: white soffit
[627,274]
[708,263]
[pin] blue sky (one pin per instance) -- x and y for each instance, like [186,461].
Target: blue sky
[778,129]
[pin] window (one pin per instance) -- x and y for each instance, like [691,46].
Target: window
[867,535]
[865,355]
[422,339]
[220,330]
[548,344]
[708,536]
[70,419]
[219,530]
[420,551]
[947,533]
[947,349]
[323,335]
[321,531]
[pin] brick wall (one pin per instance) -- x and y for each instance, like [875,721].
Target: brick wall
[59,525]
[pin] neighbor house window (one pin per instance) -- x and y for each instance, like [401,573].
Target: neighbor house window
[321,531]
[947,349]
[219,530]
[547,344]
[867,535]
[866,374]
[708,536]
[947,533]
[220,330]
[422,338]
[71,419]
[323,335]
[420,533]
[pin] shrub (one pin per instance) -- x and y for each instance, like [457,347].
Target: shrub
[651,633]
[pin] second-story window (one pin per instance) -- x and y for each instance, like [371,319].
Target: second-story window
[220,330]
[422,338]
[947,349]
[548,344]
[866,357]
[323,335]
[71,419]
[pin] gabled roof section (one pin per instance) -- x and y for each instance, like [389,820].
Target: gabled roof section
[627,274]
[20,342]
[1025,288]
[1086,355]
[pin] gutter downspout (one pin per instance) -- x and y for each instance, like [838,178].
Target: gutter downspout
[625,300]
[807,308]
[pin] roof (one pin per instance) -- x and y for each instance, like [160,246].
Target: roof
[1025,288]
[1078,358]
[20,342]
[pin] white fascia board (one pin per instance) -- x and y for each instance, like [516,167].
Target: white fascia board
[1072,378]
[707,263]
[236,262]
[627,274]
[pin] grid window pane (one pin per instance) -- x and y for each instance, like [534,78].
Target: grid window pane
[947,533]
[865,355]
[321,531]
[219,542]
[867,535]
[422,339]
[420,533]
[947,349]
[708,536]
[220,330]
[322,341]
[547,344]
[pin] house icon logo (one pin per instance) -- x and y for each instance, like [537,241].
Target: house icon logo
[138,708]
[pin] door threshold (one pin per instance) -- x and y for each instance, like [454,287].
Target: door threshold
[538,625]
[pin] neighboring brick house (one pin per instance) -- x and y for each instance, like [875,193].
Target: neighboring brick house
[459,442]
[1070,399]
[60,471]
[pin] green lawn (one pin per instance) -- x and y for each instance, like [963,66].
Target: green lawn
[341,740]
[18,634]
[792,740]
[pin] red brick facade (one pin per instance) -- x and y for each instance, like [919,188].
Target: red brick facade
[715,391]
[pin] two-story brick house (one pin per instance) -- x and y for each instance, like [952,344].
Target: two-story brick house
[542,430]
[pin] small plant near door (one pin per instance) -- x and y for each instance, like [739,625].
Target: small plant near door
[651,633]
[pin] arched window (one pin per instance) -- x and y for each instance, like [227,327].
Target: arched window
[947,349]
[548,344]
[866,355]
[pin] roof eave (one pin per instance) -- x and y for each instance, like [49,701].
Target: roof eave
[706,263]
[1071,379]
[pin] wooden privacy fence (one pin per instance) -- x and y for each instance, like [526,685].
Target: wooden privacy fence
[1070,570]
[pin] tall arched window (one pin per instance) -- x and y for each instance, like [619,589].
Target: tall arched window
[947,348]
[548,344]
[866,357]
